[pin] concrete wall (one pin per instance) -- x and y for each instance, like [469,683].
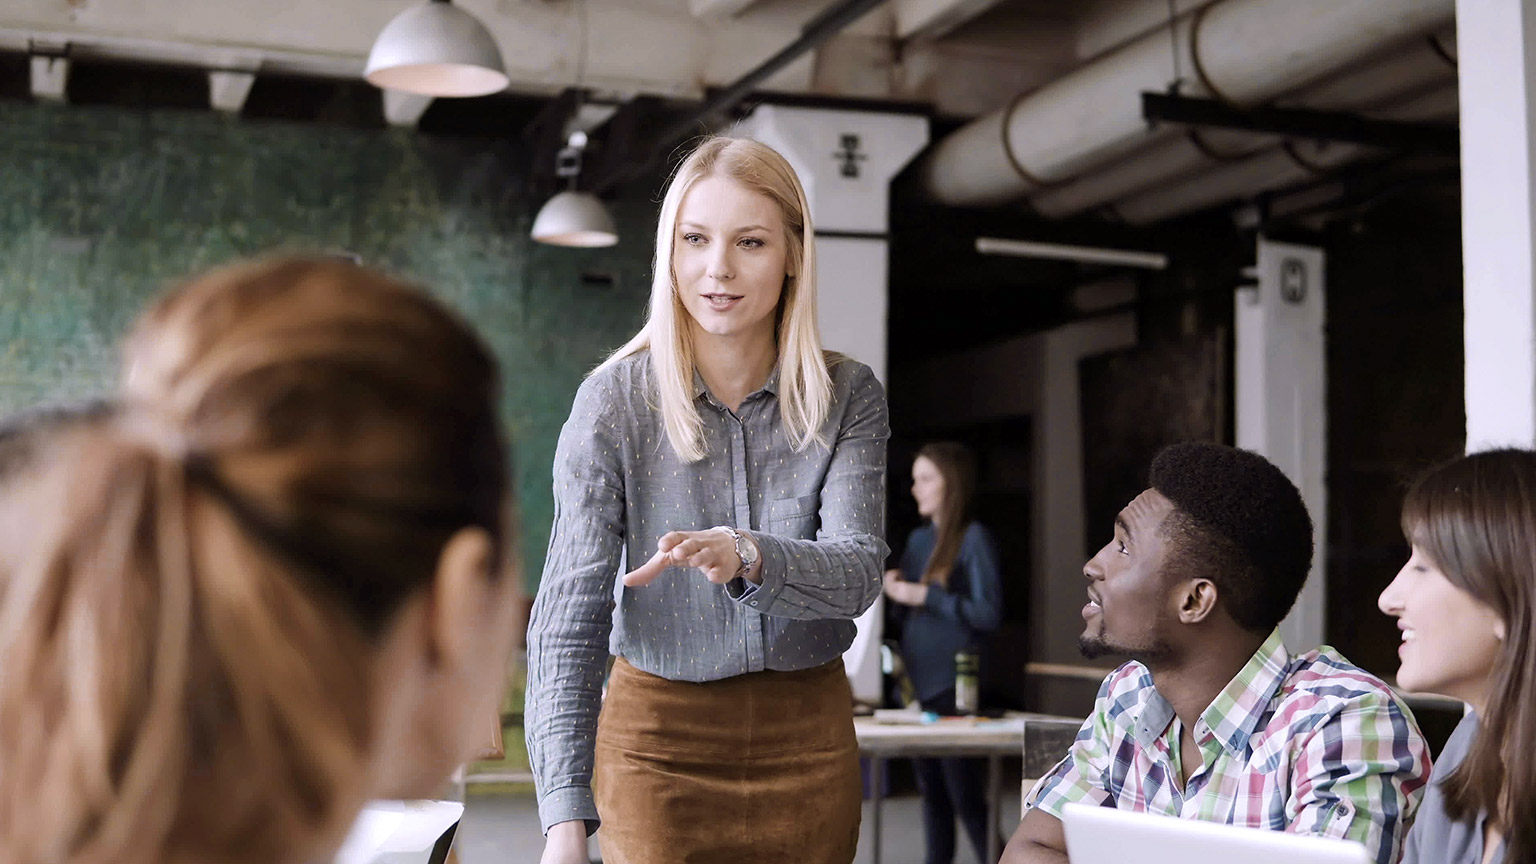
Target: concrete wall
[101,207]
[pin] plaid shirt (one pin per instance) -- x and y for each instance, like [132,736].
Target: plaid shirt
[1309,744]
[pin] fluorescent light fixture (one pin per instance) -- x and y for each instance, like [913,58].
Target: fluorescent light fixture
[436,49]
[1063,252]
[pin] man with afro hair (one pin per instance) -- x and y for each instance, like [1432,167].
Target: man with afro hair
[1213,719]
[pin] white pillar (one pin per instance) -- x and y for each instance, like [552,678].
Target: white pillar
[1061,544]
[1497,40]
[1036,376]
[1282,399]
[845,160]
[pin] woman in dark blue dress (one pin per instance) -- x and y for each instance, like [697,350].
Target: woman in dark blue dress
[947,592]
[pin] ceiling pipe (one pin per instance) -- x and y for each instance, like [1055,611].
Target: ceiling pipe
[1293,163]
[1366,88]
[818,30]
[1242,51]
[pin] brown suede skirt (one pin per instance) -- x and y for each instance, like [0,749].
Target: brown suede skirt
[762,767]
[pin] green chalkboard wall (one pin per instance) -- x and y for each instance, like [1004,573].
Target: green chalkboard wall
[100,208]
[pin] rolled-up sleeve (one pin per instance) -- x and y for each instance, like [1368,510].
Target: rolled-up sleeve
[572,615]
[836,575]
[1081,776]
[1360,775]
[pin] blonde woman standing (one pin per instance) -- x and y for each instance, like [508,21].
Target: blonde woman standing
[739,470]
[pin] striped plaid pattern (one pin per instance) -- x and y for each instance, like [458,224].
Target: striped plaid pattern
[1309,744]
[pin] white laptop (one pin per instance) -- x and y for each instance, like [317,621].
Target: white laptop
[401,832]
[1104,835]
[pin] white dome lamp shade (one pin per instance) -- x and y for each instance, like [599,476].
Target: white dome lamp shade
[436,49]
[573,218]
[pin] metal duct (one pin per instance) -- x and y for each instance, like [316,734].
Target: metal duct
[1385,81]
[1242,51]
[1292,163]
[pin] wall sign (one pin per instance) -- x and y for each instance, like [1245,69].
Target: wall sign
[848,156]
[1293,280]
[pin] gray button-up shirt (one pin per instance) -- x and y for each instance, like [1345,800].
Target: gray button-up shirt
[817,515]
[1435,837]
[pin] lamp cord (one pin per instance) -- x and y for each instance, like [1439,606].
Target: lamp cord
[581,77]
[581,49]
[1173,39]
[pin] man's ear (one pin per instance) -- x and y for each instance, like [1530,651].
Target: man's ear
[1198,601]
[458,594]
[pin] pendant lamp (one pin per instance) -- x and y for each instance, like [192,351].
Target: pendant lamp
[436,49]
[573,218]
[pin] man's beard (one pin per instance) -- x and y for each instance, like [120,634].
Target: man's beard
[1094,647]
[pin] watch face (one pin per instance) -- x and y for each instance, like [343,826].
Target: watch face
[745,550]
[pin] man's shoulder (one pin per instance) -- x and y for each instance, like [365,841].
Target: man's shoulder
[1324,681]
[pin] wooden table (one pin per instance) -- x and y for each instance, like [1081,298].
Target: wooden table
[992,739]
[1046,735]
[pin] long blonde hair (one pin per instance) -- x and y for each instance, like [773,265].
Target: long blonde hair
[805,385]
[188,643]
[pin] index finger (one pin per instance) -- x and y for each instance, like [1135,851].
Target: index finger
[646,573]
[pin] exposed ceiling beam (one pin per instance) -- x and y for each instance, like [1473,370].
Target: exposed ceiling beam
[227,91]
[931,19]
[50,75]
[1345,126]
[633,47]
[831,21]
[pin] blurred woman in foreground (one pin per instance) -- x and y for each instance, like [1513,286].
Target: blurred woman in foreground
[272,586]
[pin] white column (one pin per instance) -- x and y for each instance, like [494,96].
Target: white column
[1061,546]
[1282,399]
[1036,375]
[845,160]
[1497,40]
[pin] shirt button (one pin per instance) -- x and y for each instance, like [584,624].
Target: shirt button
[754,602]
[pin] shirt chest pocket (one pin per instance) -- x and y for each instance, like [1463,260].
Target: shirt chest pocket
[795,518]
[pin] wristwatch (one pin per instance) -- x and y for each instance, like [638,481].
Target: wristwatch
[746,550]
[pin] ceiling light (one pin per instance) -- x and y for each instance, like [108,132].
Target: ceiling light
[574,218]
[436,49]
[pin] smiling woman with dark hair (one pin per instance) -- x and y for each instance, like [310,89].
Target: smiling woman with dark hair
[1466,604]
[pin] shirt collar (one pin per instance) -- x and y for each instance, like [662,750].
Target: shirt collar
[770,386]
[1234,715]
